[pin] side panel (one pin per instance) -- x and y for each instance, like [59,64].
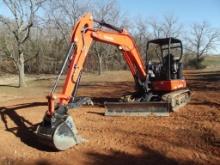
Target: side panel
[169,85]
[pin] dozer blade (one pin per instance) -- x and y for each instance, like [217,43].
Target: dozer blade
[60,135]
[137,109]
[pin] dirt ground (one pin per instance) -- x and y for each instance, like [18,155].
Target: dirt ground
[190,136]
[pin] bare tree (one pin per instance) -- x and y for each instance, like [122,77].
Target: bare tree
[203,39]
[142,35]
[168,27]
[63,14]
[19,27]
[108,11]
[171,26]
[156,28]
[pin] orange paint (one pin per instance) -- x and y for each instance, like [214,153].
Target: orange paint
[169,85]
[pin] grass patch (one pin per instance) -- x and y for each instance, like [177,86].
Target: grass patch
[212,61]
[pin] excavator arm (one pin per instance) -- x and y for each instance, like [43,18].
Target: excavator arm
[57,128]
[83,34]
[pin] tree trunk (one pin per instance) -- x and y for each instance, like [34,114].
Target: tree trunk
[38,69]
[21,70]
[198,58]
[197,53]
[100,64]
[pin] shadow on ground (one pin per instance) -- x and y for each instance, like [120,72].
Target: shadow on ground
[25,129]
[148,156]
[10,86]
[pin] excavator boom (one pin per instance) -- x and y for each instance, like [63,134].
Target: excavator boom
[82,36]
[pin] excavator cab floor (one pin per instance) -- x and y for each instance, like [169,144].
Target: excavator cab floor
[137,108]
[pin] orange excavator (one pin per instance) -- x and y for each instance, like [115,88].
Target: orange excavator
[160,85]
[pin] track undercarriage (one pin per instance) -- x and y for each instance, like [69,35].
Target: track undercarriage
[129,106]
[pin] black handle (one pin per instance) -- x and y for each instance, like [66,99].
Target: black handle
[103,23]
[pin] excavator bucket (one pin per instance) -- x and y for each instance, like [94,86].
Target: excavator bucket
[60,135]
[137,109]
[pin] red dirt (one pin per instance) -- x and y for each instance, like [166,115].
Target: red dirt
[186,137]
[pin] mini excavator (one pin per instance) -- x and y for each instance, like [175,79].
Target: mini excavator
[160,84]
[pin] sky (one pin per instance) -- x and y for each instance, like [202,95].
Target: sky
[187,11]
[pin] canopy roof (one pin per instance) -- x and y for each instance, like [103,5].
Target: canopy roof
[165,41]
